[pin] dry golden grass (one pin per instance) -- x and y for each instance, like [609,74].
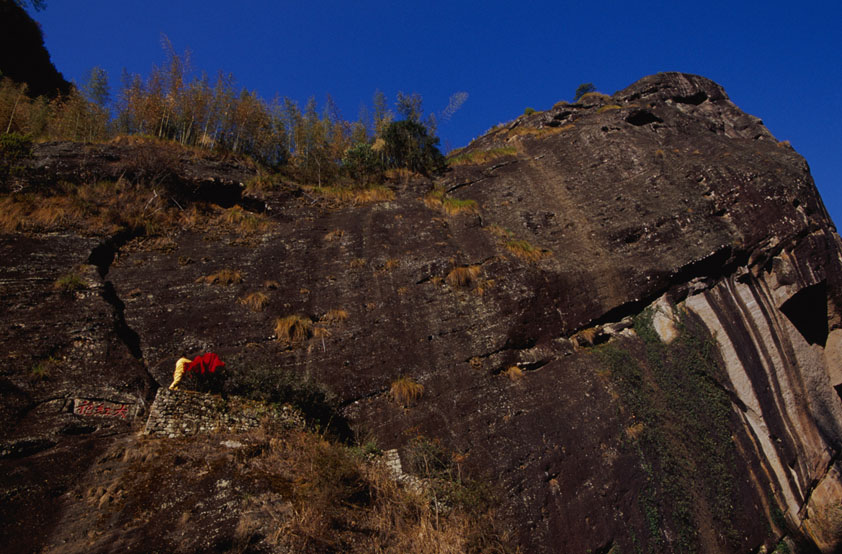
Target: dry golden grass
[255,301]
[608,107]
[391,263]
[588,334]
[585,337]
[334,235]
[405,391]
[293,329]
[335,315]
[525,251]
[514,373]
[463,276]
[357,263]
[399,174]
[222,277]
[499,232]
[476,157]
[590,96]
[476,363]
[101,208]
[271,285]
[402,291]
[306,493]
[634,431]
[244,222]
[523,131]
[354,195]
[437,199]
[321,332]
[483,286]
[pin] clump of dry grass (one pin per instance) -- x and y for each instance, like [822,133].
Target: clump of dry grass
[354,195]
[590,97]
[476,157]
[271,284]
[391,264]
[405,391]
[608,107]
[97,207]
[437,199]
[321,332]
[244,222]
[222,277]
[526,251]
[463,276]
[299,491]
[335,234]
[524,131]
[255,301]
[357,263]
[483,285]
[335,315]
[513,372]
[634,431]
[585,337]
[69,282]
[293,329]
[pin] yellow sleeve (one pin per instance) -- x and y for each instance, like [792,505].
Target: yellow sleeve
[179,372]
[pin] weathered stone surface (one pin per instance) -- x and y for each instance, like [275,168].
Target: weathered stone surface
[184,413]
[587,214]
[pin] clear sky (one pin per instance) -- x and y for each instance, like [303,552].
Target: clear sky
[780,61]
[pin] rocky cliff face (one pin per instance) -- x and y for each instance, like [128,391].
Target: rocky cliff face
[624,313]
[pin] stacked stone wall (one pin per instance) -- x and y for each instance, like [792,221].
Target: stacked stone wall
[182,413]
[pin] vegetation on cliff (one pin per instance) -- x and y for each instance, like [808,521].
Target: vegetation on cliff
[175,103]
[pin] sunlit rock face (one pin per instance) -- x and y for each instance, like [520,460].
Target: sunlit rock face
[624,313]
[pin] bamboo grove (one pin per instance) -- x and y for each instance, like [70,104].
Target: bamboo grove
[174,104]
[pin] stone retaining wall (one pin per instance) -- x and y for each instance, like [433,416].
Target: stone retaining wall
[181,413]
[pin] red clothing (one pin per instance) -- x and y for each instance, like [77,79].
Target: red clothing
[209,362]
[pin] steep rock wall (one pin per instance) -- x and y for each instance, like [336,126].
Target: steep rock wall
[772,332]
[603,436]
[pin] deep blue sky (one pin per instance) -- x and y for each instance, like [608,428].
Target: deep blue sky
[780,61]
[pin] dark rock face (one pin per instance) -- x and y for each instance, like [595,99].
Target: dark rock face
[23,57]
[660,271]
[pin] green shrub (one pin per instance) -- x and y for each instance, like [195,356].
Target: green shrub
[269,383]
[529,111]
[69,282]
[362,164]
[14,147]
[582,90]
[409,145]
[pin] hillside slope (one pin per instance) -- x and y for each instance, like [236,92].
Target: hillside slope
[625,315]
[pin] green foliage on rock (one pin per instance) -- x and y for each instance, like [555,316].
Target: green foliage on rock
[362,163]
[682,418]
[269,383]
[582,90]
[14,147]
[409,145]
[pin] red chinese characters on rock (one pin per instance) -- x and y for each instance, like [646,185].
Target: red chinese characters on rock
[99,408]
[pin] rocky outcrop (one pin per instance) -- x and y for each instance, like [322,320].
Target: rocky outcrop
[183,413]
[624,313]
[23,57]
